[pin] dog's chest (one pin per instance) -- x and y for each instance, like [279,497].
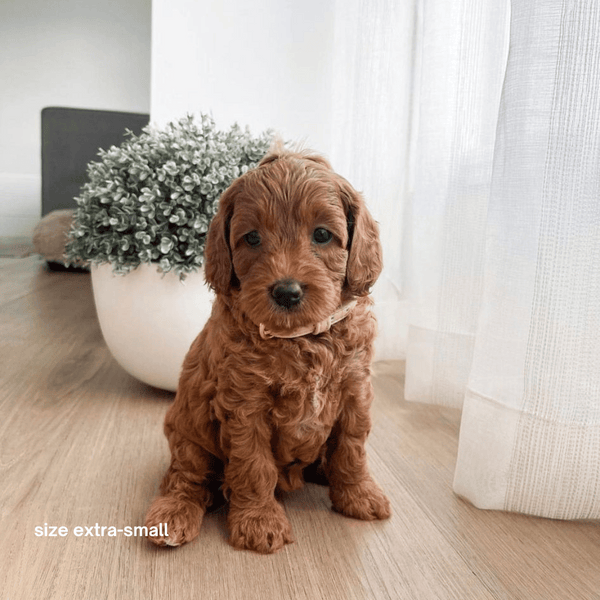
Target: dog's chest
[303,401]
[305,406]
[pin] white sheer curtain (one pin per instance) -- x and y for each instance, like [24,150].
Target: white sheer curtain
[372,66]
[473,128]
[504,260]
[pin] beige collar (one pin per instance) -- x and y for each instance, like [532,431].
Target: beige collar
[341,313]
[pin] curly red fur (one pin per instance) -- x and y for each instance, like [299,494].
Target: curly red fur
[253,415]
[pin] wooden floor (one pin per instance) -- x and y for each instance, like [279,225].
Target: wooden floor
[81,444]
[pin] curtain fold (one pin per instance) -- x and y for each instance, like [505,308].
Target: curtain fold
[535,376]
[504,261]
[371,127]
[462,55]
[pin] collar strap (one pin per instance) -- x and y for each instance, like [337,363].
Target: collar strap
[341,313]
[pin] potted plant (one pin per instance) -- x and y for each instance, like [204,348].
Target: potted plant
[141,223]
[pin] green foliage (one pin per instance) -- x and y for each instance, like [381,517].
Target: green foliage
[152,198]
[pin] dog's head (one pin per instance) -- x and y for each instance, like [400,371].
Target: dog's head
[291,240]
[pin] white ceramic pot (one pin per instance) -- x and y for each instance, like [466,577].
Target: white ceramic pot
[149,319]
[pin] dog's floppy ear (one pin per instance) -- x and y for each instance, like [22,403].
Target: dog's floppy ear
[218,264]
[364,248]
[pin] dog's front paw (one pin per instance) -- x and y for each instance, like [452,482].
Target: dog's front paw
[363,501]
[265,530]
[181,521]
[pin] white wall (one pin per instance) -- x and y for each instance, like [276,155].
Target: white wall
[75,53]
[266,64]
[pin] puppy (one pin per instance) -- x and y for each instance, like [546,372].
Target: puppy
[277,384]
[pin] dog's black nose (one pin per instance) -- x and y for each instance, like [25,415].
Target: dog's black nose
[287,293]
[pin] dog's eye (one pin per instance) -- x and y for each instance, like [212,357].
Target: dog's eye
[252,239]
[322,236]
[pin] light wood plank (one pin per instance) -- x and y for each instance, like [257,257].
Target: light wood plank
[515,556]
[81,443]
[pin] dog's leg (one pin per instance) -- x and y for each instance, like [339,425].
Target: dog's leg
[256,520]
[185,494]
[352,489]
